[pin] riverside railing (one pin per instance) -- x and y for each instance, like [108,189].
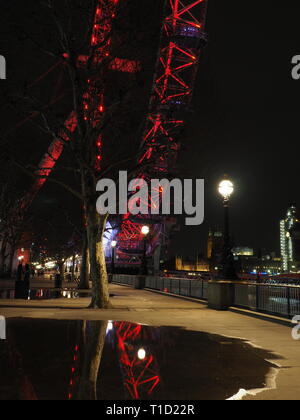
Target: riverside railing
[193,288]
[281,300]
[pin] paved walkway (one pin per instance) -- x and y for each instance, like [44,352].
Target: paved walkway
[160,310]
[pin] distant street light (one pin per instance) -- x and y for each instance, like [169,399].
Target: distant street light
[144,266]
[226,189]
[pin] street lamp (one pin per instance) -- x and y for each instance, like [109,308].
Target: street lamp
[226,189]
[142,354]
[145,230]
[113,253]
[144,266]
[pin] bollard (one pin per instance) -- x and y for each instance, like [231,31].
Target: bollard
[220,295]
[58,281]
[139,282]
[19,289]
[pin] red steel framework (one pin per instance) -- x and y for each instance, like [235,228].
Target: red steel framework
[140,376]
[93,100]
[182,41]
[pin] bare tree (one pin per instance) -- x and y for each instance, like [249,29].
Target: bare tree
[94,340]
[12,227]
[100,137]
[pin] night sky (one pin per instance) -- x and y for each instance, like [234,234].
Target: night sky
[245,119]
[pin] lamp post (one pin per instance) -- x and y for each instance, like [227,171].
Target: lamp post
[113,255]
[144,266]
[142,354]
[226,189]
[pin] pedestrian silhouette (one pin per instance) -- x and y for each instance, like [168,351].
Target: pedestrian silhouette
[27,275]
[27,279]
[20,272]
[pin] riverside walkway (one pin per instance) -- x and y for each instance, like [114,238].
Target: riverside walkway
[141,306]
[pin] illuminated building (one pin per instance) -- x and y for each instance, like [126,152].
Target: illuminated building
[286,240]
[243,251]
[215,244]
[192,265]
[269,265]
[295,240]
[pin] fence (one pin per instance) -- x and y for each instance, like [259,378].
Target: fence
[274,299]
[282,300]
[177,286]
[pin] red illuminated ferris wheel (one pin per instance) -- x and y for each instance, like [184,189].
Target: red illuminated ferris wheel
[182,41]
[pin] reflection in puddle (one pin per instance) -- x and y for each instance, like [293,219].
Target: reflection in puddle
[88,360]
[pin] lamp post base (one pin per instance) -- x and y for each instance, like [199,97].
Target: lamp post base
[140,282]
[220,295]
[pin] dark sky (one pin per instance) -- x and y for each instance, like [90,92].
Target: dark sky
[245,119]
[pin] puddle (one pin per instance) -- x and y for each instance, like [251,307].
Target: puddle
[88,360]
[44,294]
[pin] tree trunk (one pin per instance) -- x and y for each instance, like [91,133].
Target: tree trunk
[73,268]
[95,231]
[3,257]
[84,269]
[11,261]
[93,349]
[61,269]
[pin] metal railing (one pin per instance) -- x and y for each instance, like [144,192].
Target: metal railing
[177,286]
[124,279]
[282,300]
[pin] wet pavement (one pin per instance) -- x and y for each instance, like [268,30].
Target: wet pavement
[88,360]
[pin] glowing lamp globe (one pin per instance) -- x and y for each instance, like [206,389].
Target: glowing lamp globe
[226,189]
[142,354]
[145,230]
[113,244]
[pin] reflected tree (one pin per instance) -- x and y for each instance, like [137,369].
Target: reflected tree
[94,333]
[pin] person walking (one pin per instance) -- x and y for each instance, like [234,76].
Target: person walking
[27,273]
[19,285]
[20,272]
